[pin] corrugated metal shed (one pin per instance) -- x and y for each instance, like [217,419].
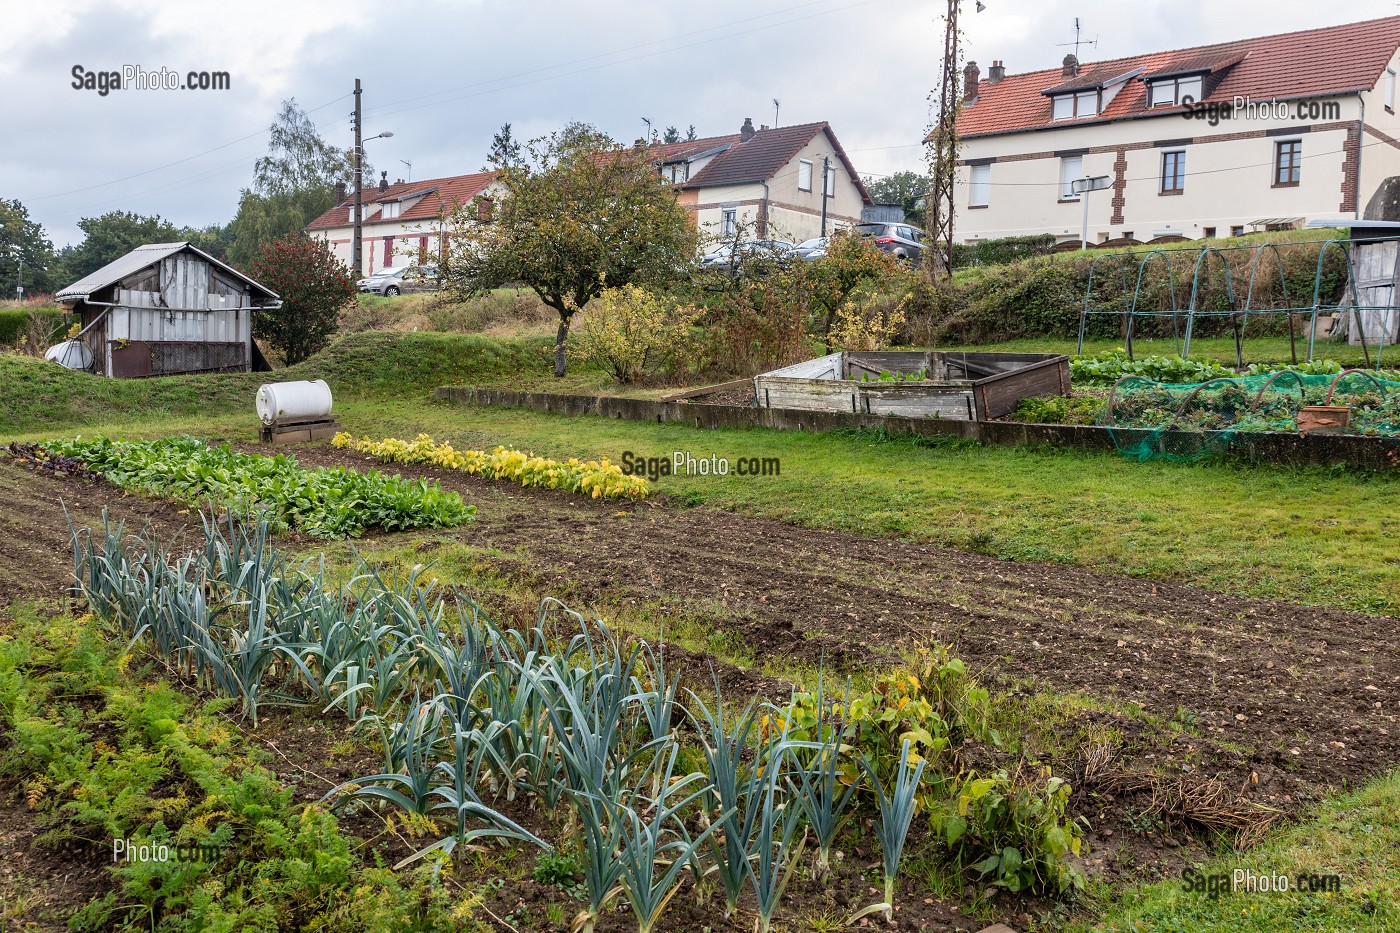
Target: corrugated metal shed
[143,257]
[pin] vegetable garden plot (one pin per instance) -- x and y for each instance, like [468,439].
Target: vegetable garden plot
[1203,417]
[324,503]
[470,716]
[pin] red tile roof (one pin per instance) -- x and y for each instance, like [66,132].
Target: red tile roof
[439,194]
[1310,63]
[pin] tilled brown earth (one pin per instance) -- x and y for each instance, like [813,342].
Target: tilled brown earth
[1296,695]
[1286,695]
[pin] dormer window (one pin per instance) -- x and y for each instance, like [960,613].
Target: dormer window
[1169,92]
[1076,106]
[391,209]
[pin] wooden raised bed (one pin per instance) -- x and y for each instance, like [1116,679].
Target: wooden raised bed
[961,386]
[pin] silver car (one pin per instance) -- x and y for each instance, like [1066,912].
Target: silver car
[903,241]
[754,253]
[400,279]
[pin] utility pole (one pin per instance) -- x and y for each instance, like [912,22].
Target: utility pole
[357,156]
[944,158]
[826,173]
[19,282]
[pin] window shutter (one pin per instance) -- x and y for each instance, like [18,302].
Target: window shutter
[1071,168]
[981,185]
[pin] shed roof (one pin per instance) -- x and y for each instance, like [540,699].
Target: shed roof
[143,257]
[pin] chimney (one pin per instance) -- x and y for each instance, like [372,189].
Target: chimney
[383,182]
[746,131]
[996,72]
[971,74]
[1071,69]
[339,192]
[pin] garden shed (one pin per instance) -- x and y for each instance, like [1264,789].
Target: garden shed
[167,308]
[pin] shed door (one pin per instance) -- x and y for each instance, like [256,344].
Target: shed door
[131,359]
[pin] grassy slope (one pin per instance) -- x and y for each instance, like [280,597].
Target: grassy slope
[1220,349]
[1356,836]
[35,394]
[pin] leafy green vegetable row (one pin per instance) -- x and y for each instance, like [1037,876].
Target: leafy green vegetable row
[324,502]
[1108,367]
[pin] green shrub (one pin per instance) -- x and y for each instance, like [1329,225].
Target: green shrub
[15,323]
[1002,250]
[633,334]
[1013,830]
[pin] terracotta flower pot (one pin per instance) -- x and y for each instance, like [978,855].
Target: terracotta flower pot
[1323,418]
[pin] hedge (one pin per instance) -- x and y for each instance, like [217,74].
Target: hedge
[14,323]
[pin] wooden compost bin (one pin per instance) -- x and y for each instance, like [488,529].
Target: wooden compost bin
[961,386]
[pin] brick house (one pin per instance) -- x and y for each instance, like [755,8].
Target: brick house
[1215,140]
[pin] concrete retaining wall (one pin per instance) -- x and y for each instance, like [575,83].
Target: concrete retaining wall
[1369,453]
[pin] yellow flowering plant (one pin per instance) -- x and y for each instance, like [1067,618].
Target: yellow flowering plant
[597,479]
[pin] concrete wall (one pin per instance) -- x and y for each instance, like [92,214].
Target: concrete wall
[1357,452]
[1229,175]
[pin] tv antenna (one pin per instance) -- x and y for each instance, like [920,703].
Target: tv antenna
[409,163]
[1094,42]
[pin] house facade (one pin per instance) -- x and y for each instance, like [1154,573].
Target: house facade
[401,223]
[1217,140]
[774,183]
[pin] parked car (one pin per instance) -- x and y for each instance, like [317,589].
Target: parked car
[400,279]
[749,253]
[814,248]
[904,241]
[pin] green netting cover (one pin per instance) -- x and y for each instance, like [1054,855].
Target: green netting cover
[1161,421]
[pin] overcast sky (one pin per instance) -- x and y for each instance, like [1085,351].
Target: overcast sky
[443,76]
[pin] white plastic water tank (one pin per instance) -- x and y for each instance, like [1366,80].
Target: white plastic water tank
[71,354]
[284,401]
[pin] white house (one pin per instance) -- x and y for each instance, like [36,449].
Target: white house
[1216,140]
[778,183]
[401,223]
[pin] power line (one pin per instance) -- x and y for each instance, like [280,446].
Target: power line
[158,168]
[587,58]
[623,61]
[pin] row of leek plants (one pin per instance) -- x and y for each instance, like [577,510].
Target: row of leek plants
[581,726]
